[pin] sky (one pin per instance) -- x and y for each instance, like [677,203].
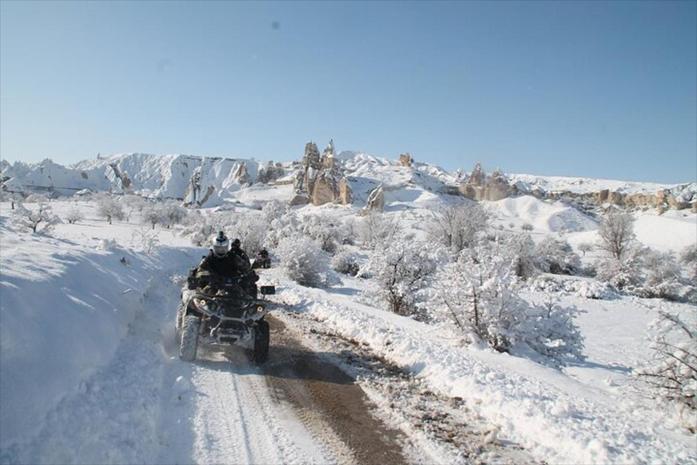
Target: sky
[599,89]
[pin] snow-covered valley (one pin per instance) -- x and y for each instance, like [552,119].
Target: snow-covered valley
[89,361]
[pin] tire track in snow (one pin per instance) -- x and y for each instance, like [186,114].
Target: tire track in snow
[236,421]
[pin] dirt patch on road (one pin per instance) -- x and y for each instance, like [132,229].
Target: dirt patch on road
[328,401]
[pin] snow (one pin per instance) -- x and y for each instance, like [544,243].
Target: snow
[543,216]
[558,418]
[89,366]
[668,232]
[579,185]
[86,337]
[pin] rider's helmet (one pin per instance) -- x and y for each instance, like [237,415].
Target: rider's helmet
[220,244]
[236,244]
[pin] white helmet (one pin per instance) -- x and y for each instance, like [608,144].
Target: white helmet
[220,244]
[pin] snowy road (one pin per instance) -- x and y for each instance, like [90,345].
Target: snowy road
[295,409]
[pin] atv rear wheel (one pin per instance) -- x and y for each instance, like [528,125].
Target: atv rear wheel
[189,338]
[261,342]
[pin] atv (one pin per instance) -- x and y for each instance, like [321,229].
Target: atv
[222,312]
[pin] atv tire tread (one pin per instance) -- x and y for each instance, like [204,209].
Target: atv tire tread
[189,338]
[261,342]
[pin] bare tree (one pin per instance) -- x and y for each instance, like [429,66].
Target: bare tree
[40,219]
[616,233]
[109,208]
[456,227]
[585,247]
[151,215]
[672,372]
[74,215]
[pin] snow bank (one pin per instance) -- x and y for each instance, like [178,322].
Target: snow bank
[559,419]
[64,308]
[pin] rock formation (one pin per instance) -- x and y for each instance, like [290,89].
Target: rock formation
[405,159]
[270,173]
[376,200]
[319,179]
[479,186]
[241,175]
[345,192]
[121,176]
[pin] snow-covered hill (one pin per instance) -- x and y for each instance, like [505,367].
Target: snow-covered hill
[218,179]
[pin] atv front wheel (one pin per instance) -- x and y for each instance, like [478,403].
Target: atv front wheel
[261,342]
[189,338]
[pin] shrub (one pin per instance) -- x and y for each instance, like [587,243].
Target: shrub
[39,219]
[672,371]
[375,229]
[457,227]
[301,260]
[109,208]
[346,262]
[402,270]
[557,257]
[478,293]
[74,215]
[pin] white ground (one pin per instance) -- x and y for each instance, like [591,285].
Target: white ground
[89,373]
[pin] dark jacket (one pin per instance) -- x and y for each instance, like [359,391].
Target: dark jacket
[229,265]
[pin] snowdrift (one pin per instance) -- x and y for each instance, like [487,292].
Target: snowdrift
[65,308]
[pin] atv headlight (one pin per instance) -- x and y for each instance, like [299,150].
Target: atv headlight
[205,305]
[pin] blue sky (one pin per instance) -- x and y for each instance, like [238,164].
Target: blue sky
[558,88]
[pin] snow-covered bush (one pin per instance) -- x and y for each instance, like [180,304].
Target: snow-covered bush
[250,228]
[475,292]
[346,262]
[151,214]
[349,227]
[146,239]
[549,330]
[132,203]
[688,257]
[647,273]
[38,219]
[616,233]
[401,270]
[520,249]
[323,229]
[74,215]
[286,226]
[661,274]
[623,273]
[109,208]
[376,228]
[457,227]
[586,288]
[478,293]
[274,209]
[302,261]
[172,213]
[556,256]
[672,371]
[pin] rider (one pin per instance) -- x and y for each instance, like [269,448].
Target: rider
[230,263]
